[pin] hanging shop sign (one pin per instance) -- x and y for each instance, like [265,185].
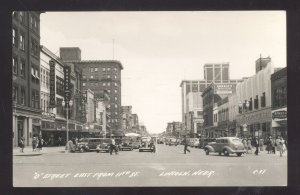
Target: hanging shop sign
[52,84]
[279,114]
[223,88]
[67,72]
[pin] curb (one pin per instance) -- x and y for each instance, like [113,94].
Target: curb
[31,154]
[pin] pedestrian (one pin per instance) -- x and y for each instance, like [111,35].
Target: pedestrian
[59,140]
[269,147]
[113,147]
[22,144]
[40,144]
[256,144]
[186,146]
[249,145]
[34,143]
[261,144]
[244,141]
[280,146]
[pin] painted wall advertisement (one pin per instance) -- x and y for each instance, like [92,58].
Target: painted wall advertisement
[52,84]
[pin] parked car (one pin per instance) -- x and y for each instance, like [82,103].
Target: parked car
[195,143]
[87,144]
[172,142]
[160,141]
[104,145]
[226,145]
[204,141]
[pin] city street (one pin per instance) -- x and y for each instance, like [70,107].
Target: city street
[168,167]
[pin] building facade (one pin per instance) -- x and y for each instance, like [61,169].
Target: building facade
[127,121]
[254,101]
[26,76]
[101,76]
[216,72]
[279,103]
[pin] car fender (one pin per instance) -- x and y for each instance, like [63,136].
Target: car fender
[209,148]
[229,149]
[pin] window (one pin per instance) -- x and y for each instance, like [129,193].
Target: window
[22,42]
[33,23]
[116,91]
[15,65]
[103,69]
[108,76]
[108,91]
[92,69]
[116,113]
[92,76]
[115,76]
[59,86]
[115,69]
[108,69]
[116,84]
[37,73]
[15,93]
[263,100]
[108,84]
[37,99]
[104,84]
[116,98]
[83,84]
[96,69]
[22,68]
[21,17]
[14,34]
[32,98]
[116,106]
[34,48]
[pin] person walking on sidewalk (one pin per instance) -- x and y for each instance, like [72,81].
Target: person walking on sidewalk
[40,144]
[22,144]
[249,145]
[34,144]
[269,147]
[261,144]
[186,146]
[256,144]
[244,141]
[280,146]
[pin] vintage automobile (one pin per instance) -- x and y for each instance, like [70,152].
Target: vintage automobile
[172,142]
[195,143]
[225,145]
[87,144]
[104,145]
[204,141]
[147,146]
[126,144]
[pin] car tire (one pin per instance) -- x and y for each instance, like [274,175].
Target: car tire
[226,153]
[239,154]
[82,150]
[220,153]
[207,152]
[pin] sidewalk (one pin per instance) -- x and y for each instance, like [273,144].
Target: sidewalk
[45,150]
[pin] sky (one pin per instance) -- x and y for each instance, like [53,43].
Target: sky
[160,49]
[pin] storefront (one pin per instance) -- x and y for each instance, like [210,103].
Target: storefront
[255,124]
[279,122]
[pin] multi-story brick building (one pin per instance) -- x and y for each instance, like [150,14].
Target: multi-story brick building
[26,75]
[127,121]
[101,76]
[279,103]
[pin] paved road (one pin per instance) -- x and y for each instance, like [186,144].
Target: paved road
[168,167]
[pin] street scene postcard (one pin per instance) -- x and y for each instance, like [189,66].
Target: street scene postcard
[149,98]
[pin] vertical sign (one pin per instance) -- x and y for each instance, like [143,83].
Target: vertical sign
[52,83]
[67,71]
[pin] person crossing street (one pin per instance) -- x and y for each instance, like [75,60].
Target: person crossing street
[186,146]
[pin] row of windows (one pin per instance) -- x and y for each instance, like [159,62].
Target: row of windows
[20,99]
[18,40]
[45,99]
[18,69]
[95,69]
[280,97]
[20,16]
[35,99]
[105,76]
[35,78]
[45,78]
[250,106]
[98,84]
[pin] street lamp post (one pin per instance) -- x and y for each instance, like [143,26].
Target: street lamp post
[67,110]
[244,114]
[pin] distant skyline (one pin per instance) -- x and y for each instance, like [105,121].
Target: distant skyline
[160,49]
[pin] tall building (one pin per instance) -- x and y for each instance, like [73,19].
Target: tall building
[217,73]
[191,91]
[127,121]
[279,103]
[26,75]
[101,76]
[53,79]
[254,118]
[261,63]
